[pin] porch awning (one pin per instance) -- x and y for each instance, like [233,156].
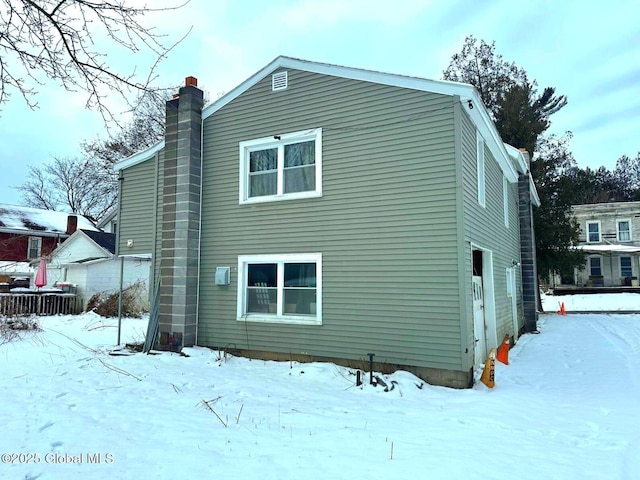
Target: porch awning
[609,248]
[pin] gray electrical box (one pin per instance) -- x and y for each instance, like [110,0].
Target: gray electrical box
[222,275]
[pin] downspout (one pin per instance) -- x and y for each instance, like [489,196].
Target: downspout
[154,248]
[120,182]
[200,229]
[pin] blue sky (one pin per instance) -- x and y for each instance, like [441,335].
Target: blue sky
[589,51]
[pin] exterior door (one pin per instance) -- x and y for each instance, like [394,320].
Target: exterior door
[479,327]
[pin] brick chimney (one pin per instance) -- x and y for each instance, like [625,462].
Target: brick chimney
[180,234]
[72,224]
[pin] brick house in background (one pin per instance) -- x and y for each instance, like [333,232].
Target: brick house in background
[27,233]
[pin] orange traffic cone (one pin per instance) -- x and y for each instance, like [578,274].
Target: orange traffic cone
[562,311]
[503,350]
[489,372]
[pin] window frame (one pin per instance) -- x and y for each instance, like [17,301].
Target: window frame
[279,316]
[628,221]
[279,142]
[594,222]
[480,170]
[38,248]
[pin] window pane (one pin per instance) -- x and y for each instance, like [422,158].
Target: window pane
[262,294]
[262,275]
[300,301]
[594,232]
[595,266]
[261,184]
[300,275]
[625,266]
[300,179]
[262,160]
[297,154]
[299,291]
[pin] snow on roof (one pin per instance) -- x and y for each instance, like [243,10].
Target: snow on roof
[609,248]
[46,222]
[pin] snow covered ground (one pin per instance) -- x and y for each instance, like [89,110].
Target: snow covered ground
[566,407]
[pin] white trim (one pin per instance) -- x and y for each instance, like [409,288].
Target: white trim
[480,170]
[279,317]
[279,141]
[505,201]
[138,157]
[594,222]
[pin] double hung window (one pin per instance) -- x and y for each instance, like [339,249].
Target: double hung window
[625,267]
[281,167]
[595,266]
[624,231]
[35,247]
[280,288]
[593,232]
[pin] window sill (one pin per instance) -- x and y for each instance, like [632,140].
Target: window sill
[278,198]
[293,320]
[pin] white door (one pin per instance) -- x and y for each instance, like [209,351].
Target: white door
[479,328]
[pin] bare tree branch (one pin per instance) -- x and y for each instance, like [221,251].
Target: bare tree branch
[68,40]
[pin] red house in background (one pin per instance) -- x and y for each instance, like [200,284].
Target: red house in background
[26,234]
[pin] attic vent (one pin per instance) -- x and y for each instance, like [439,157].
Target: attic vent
[279,81]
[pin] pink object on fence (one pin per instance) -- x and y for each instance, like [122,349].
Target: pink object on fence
[41,274]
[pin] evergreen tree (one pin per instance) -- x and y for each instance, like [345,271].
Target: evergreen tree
[521,116]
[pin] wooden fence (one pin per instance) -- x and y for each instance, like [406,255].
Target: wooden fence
[19,304]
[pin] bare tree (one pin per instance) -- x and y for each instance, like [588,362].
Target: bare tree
[88,185]
[70,184]
[67,41]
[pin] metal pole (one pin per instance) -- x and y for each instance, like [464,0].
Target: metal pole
[120,299]
[371,355]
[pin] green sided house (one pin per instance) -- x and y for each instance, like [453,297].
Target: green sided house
[324,213]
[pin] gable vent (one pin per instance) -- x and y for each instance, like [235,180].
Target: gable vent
[279,81]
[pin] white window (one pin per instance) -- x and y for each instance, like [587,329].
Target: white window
[505,199]
[480,168]
[624,231]
[281,167]
[280,288]
[593,232]
[35,247]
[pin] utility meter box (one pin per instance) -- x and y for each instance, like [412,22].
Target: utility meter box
[222,275]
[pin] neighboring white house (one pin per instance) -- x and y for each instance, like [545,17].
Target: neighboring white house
[610,236]
[87,260]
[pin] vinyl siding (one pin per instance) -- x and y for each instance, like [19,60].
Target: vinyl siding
[385,223]
[137,208]
[485,228]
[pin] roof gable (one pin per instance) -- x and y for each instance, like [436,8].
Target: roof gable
[85,245]
[468,95]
